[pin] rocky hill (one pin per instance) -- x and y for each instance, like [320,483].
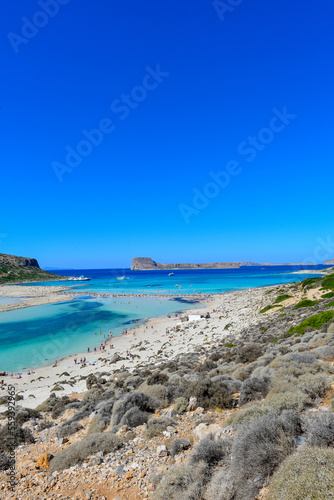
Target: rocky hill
[15,269]
[329,262]
[147,264]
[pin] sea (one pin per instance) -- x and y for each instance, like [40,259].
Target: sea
[37,336]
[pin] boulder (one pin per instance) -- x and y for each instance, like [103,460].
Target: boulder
[203,430]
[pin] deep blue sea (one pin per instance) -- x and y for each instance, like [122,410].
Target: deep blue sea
[38,335]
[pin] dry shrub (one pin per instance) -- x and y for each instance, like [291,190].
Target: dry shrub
[78,452]
[307,474]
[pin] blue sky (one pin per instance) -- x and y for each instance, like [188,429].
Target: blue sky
[183,92]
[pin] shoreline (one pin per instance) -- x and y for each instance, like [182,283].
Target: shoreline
[156,339]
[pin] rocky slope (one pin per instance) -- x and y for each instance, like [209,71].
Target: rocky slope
[15,269]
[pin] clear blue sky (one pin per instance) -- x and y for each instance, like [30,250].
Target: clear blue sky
[209,103]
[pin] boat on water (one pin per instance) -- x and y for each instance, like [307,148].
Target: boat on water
[171,274]
[78,278]
[122,278]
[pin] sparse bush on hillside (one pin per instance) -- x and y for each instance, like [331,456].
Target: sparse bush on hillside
[249,353]
[254,388]
[142,401]
[321,431]
[325,352]
[209,395]
[221,486]
[182,482]
[78,452]
[181,405]
[307,474]
[211,451]
[13,438]
[134,417]
[259,448]
[68,429]
[246,415]
[296,401]
[157,378]
[157,391]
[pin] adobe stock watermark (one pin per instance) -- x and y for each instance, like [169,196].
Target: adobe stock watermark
[226,6]
[30,27]
[249,148]
[122,108]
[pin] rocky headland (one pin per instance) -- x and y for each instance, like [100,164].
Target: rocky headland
[15,269]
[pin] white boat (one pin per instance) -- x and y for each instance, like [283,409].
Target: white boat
[80,278]
[122,278]
[171,274]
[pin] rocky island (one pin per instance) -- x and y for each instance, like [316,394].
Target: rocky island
[148,264]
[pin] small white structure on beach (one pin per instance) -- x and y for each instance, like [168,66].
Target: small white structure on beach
[194,317]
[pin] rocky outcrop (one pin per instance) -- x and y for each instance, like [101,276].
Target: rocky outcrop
[13,260]
[147,264]
[329,262]
[15,269]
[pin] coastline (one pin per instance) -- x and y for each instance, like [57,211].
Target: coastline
[157,339]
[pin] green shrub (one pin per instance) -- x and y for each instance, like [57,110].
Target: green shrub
[90,445]
[327,282]
[307,474]
[306,303]
[328,295]
[229,346]
[310,282]
[330,304]
[267,308]
[281,298]
[314,322]
[296,401]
